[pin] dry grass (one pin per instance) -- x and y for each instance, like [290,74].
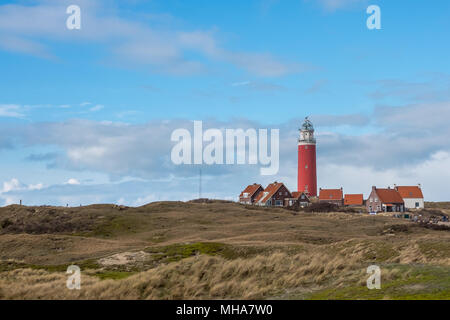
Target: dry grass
[173,250]
[194,278]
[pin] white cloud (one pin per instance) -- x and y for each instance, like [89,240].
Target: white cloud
[406,145]
[11,185]
[132,41]
[37,186]
[432,174]
[11,111]
[73,181]
[11,191]
[97,107]
[14,184]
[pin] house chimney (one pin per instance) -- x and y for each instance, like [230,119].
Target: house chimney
[374,187]
[420,186]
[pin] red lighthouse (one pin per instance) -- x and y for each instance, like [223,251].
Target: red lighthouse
[307,176]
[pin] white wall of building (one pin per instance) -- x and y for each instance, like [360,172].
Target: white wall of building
[410,203]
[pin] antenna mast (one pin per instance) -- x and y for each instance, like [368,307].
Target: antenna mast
[200,184]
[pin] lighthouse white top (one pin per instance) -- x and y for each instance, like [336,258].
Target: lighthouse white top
[307,133]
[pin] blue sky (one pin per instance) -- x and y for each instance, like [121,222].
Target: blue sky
[86,115]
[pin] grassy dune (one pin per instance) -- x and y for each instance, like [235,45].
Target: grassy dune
[172,250]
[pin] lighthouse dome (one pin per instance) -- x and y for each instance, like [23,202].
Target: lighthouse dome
[307,125]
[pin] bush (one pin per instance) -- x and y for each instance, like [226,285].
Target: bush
[321,207]
[5,223]
[430,212]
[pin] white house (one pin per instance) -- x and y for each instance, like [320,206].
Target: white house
[412,195]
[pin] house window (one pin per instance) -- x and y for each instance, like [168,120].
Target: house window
[306,187]
[371,200]
[245,195]
[417,204]
[285,193]
[306,147]
[306,166]
[280,193]
[278,203]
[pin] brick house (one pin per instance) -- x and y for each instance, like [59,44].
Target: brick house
[354,200]
[275,194]
[250,193]
[334,196]
[385,200]
[300,199]
[412,195]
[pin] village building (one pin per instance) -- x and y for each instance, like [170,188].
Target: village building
[250,193]
[334,196]
[354,200]
[275,194]
[300,199]
[412,196]
[385,200]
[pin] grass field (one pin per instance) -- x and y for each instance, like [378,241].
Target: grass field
[217,250]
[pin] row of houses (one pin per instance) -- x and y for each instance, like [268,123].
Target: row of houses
[397,199]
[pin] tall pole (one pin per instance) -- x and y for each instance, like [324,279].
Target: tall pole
[200,184]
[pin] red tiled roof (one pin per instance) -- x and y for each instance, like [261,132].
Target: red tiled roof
[296,194]
[268,192]
[410,192]
[389,196]
[354,199]
[251,189]
[330,194]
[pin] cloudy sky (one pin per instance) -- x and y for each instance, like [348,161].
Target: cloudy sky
[86,115]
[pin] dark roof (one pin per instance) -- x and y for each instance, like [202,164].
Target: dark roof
[269,192]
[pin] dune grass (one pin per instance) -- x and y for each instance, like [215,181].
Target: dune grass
[217,250]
